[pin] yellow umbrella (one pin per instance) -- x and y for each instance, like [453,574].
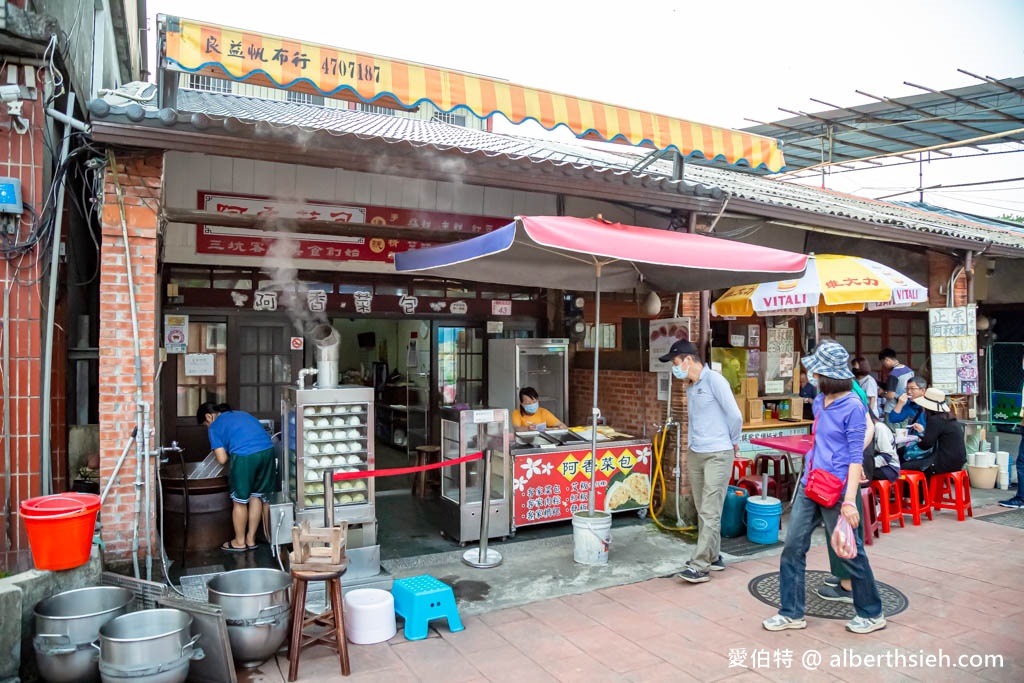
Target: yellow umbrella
[831,284]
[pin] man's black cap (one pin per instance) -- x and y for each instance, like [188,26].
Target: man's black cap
[680,348]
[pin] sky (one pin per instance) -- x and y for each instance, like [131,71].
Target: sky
[722,62]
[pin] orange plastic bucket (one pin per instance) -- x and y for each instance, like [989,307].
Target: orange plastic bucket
[60,529]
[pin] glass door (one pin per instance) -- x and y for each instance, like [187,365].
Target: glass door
[459,369]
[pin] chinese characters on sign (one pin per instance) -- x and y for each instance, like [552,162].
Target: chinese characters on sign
[211,239]
[954,349]
[552,486]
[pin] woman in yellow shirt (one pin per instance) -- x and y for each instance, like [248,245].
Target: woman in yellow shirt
[530,415]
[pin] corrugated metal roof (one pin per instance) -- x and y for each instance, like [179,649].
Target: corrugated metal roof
[902,124]
[234,113]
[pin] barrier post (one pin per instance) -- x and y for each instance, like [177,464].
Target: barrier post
[483,557]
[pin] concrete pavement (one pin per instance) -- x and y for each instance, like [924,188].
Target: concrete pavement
[962,580]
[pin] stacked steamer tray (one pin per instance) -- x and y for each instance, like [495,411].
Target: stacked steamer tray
[1003,462]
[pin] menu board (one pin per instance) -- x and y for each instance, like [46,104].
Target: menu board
[779,360]
[953,336]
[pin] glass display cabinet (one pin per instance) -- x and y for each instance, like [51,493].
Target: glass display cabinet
[328,429]
[464,432]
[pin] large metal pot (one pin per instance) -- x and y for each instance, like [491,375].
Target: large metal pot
[66,626]
[152,646]
[255,604]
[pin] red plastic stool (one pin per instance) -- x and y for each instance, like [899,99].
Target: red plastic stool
[869,513]
[753,486]
[782,471]
[952,491]
[741,467]
[913,492]
[891,511]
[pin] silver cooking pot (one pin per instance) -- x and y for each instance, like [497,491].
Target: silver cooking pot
[66,626]
[255,604]
[152,646]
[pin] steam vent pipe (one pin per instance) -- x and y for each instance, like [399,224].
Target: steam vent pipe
[326,343]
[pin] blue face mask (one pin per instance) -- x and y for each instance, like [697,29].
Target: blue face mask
[813,380]
[678,372]
[530,408]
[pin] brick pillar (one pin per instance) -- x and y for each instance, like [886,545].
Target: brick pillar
[140,180]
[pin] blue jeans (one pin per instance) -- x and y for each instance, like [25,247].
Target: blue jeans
[1020,467]
[804,518]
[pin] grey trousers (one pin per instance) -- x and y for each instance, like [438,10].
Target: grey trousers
[709,481]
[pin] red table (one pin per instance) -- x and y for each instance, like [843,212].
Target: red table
[800,444]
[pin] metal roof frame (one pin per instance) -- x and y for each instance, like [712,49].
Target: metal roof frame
[937,120]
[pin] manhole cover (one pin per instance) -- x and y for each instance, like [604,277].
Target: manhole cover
[1014,518]
[766,589]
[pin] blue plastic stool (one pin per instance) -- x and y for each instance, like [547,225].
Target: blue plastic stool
[420,599]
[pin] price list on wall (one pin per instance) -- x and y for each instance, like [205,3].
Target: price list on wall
[954,349]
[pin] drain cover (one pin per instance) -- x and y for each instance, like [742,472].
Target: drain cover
[766,589]
[1014,518]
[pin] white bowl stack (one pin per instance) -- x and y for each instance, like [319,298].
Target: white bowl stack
[1003,460]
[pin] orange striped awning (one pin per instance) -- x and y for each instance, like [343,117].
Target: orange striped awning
[197,47]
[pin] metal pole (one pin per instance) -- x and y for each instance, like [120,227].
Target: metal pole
[595,411]
[328,499]
[45,471]
[484,558]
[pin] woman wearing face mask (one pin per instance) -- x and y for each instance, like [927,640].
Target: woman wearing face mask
[530,416]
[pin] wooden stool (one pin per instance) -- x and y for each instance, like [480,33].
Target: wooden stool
[426,455]
[334,620]
[318,555]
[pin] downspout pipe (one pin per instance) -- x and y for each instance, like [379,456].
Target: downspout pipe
[45,425]
[969,270]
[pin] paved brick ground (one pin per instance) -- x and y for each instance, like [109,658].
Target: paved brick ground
[963,580]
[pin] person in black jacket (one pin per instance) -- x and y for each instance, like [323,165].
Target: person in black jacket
[943,434]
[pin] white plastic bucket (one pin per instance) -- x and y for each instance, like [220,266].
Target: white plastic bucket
[591,536]
[369,616]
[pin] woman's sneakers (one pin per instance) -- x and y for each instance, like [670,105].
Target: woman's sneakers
[831,580]
[781,623]
[865,625]
[835,594]
[1016,503]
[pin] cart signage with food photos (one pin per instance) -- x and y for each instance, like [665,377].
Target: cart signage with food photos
[550,486]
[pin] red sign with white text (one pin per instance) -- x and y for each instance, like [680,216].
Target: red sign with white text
[549,487]
[211,239]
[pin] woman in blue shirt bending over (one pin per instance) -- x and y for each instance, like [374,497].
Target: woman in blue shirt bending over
[840,424]
[252,474]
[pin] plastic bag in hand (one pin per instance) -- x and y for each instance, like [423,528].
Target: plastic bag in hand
[542,426]
[844,542]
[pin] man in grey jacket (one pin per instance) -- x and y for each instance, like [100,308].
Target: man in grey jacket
[713,437]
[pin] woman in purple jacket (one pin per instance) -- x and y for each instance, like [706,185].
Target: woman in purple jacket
[839,427]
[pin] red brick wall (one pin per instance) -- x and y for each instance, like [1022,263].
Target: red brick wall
[940,269]
[22,158]
[140,179]
[629,400]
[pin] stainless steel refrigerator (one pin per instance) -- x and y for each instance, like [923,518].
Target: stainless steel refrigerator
[539,363]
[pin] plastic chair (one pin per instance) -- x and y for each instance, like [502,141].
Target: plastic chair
[952,491]
[914,496]
[781,471]
[889,504]
[421,599]
[753,486]
[872,526]
[741,467]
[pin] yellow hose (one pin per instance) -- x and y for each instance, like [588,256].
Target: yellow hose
[658,475]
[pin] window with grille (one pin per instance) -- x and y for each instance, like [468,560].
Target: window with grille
[449,117]
[375,109]
[305,98]
[208,83]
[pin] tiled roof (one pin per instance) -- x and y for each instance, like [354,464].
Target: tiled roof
[200,109]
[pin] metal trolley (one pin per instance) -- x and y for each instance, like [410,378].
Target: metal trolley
[464,432]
